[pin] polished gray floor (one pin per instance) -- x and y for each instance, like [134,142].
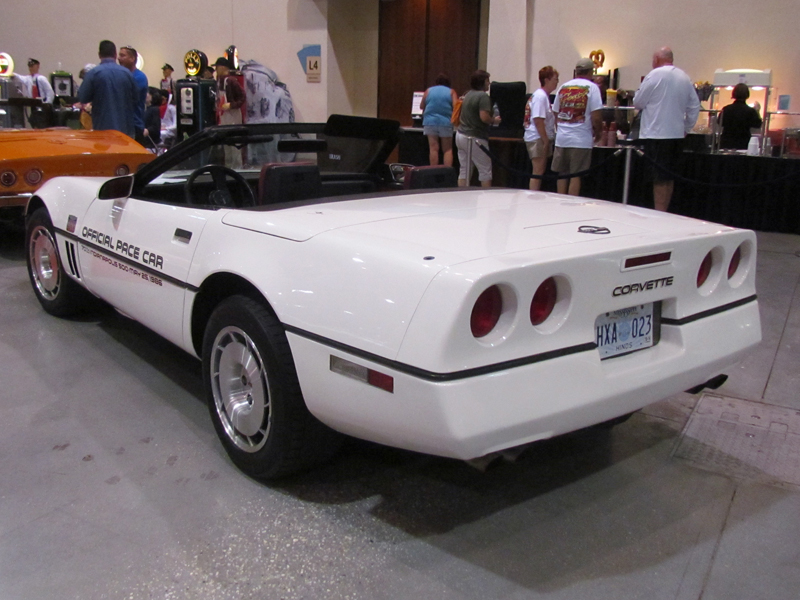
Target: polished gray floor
[113,485]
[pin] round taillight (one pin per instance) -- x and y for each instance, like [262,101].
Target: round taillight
[8,178]
[33,177]
[486,312]
[705,270]
[122,170]
[544,300]
[736,259]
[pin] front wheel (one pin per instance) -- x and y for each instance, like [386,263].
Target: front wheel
[57,293]
[254,396]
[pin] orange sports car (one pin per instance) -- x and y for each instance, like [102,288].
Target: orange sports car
[29,157]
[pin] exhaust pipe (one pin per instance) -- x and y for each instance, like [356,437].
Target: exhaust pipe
[711,384]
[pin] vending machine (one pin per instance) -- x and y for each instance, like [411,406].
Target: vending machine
[196,97]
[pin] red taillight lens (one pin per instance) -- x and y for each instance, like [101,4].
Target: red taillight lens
[486,312]
[544,300]
[733,266]
[705,270]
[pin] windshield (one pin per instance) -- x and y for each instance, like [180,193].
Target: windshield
[342,145]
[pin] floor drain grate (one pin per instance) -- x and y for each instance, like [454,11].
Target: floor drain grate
[744,439]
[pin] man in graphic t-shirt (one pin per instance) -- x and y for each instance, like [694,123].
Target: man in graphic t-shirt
[579,123]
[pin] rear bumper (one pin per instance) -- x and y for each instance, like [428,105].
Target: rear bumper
[14,200]
[471,417]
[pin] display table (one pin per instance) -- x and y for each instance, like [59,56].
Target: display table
[771,204]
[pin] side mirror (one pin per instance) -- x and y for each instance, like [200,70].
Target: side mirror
[119,187]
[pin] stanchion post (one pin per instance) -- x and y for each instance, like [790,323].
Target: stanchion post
[626,184]
[470,141]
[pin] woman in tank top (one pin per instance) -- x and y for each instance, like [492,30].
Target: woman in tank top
[437,108]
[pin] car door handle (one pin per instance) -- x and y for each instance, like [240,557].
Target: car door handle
[182,235]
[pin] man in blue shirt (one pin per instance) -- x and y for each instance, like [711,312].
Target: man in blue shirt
[111,90]
[127,58]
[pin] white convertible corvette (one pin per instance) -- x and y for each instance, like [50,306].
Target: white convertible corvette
[451,322]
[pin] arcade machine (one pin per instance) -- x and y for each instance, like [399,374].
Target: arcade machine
[63,86]
[196,108]
[11,97]
[66,92]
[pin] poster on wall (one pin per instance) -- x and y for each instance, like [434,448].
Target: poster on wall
[311,60]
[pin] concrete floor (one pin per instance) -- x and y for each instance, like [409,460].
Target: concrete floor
[113,485]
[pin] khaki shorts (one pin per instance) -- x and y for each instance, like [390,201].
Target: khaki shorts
[538,149]
[571,160]
[479,158]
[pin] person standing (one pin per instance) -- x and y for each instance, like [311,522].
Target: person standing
[152,119]
[127,58]
[230,99]
[579,123]
[738,119]
[437,109]
[167,83]
[111,90]
[670,108]
[38,86]
[540,124]
[476,116]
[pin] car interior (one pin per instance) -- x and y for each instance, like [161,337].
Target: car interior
[253,168]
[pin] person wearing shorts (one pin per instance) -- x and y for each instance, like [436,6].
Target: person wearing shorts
[476,116]
[437,109]
[579,123]
[669,108]
[540,124]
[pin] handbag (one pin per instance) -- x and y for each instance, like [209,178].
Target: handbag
[455,119]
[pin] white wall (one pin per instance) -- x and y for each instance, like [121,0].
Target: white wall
[353,57]
[704,36]
[523,35]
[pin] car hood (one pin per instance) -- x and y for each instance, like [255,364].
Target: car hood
[470,224]
[35,143]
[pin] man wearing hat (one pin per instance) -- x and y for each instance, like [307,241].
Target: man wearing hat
[38,86]
[230,99]
[167,84]
[579,117]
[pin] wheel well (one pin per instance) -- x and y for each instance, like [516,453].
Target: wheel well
[214,290]
[34,204]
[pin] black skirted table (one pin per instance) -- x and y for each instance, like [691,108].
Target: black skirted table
[753,192]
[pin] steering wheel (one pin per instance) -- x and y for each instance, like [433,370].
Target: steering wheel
[220,195]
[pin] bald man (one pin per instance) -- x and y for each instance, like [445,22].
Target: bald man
[670,108]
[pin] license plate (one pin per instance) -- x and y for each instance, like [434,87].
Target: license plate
[627,330]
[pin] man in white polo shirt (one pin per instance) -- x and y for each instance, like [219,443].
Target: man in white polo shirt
[670,107]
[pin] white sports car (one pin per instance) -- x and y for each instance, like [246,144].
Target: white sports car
[453,322]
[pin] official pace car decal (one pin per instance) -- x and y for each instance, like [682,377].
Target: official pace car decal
[123,248]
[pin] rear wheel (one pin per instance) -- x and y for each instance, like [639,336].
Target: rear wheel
[57,293]
[254,396]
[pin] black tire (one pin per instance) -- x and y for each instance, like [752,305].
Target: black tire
[254,396]
[58,294]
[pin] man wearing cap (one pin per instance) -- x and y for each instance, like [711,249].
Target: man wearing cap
[127,58]
[230,98]
[111,90]
[670,108]
[38,86]
[579,123]
[167,84]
